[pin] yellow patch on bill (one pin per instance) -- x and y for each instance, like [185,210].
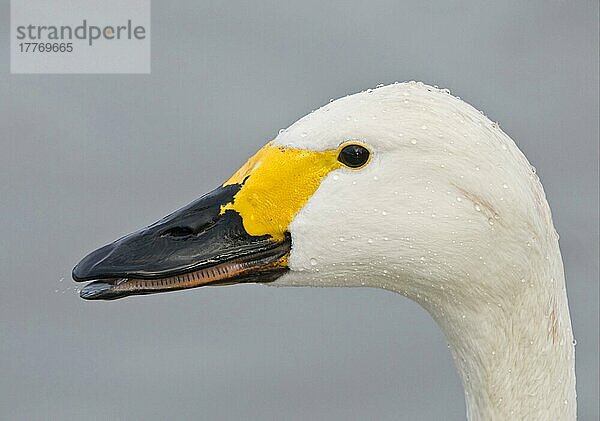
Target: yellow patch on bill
[277,183]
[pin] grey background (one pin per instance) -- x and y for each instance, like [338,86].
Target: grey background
[85,159]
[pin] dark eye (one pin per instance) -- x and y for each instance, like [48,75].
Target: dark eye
[354,156]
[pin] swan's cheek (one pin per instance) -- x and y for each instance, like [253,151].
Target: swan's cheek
[329,231]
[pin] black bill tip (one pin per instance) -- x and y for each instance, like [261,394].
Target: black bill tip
[99,290]
[95,290]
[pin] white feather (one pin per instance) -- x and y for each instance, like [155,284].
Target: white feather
[450,214]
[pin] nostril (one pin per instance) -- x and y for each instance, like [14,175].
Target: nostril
[177,232]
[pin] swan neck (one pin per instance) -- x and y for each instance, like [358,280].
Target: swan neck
[515,350]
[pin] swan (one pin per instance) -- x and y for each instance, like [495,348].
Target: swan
[403,187]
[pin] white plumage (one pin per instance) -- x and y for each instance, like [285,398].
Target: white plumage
[450,214]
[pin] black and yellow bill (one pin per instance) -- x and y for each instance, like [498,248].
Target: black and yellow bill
[235,234]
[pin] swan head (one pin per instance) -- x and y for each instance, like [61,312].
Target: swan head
[403,187]
[446,203]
